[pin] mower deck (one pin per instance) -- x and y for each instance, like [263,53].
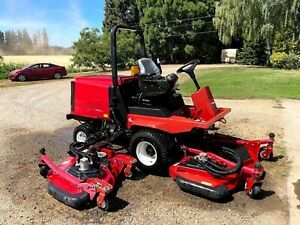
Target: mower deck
[191,176]
[97,184]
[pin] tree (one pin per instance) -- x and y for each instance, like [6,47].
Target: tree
[255,20]
[91,49]
[175,30]
[10,42]
[20,50]
[27,42]
[120,12]
[44,41]
[252,53]
[179,30]
[2,39]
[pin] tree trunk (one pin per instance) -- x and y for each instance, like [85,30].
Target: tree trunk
[269,49]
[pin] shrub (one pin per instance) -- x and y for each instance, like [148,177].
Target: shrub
[252,54]
[292,61]
[5,68]
[73,69]
[282,60]
[278,59]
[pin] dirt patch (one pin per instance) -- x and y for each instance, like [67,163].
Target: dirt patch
[154,199]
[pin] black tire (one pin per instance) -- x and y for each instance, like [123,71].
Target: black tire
[44,169]
[107,204]
[84,129]
[254,192]
[22,77]
[162,144]
[260,156]
[57,75]
[136,173]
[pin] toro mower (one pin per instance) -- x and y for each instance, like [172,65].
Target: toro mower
[144,115]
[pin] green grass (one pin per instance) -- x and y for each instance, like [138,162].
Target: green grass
[245,83]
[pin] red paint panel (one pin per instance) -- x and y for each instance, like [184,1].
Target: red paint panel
[91,95]
[204,103]
[173,124]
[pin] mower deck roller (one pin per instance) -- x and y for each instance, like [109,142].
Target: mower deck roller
[77,201]
[217,193]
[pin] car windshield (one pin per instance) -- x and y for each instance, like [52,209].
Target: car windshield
[26,67]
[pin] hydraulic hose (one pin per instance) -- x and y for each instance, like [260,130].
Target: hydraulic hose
[214,168]
[77,148]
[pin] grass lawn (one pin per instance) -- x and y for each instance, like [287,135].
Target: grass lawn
[244,83]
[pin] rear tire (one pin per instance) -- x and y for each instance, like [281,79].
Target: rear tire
[22,77]
[152,150]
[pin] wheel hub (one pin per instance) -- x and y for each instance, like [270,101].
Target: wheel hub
[146,153]
[81,136]
[150,151]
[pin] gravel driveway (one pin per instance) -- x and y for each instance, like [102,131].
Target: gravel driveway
[33,116]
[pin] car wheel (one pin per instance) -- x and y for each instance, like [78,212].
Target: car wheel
[152,150]
[22,77]
[57,75]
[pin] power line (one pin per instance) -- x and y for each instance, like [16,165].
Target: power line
[201,32]
[181,20]
[183,25]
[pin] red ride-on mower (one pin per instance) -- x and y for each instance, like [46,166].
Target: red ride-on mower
[92,173]
[146,110]
[151,120]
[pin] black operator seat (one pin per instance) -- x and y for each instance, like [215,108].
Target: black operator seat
[148,67]
[152,84]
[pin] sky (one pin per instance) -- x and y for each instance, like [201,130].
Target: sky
[63,19]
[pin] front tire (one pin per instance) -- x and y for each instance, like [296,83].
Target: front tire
[22,77]
[82,132]
[57,75]
[152,150]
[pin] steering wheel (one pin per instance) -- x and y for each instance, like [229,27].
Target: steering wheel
[189,67]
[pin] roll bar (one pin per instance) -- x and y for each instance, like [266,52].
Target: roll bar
[113,45]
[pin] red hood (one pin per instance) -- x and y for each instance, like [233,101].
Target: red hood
[15,71]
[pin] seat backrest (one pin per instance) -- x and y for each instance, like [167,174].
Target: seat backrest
[148,67]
